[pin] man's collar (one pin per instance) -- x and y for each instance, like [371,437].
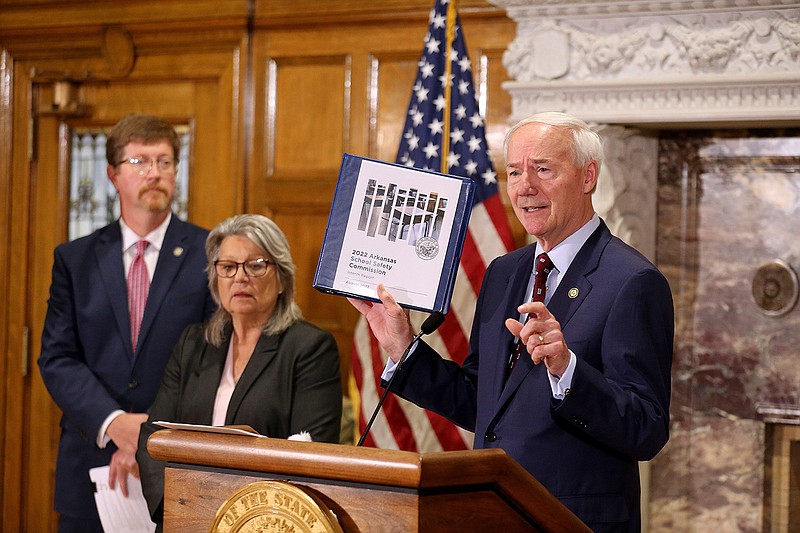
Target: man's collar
[155,237]
[564,252]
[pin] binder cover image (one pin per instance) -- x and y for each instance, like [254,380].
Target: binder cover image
[395,225]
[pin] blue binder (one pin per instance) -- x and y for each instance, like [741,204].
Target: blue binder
[397,225]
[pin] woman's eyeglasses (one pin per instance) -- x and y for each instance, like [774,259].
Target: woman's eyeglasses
[254,268]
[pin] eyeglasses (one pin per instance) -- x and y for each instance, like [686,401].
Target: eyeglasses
[143,164]
[254,268]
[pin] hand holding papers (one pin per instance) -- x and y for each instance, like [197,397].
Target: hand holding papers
[119,514]
[395,225]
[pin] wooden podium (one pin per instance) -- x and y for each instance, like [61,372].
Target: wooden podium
[369,490]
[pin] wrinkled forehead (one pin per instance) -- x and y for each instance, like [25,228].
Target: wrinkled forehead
[240,247]
[536,143]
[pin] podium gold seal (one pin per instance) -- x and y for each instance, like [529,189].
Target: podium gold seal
[273,506]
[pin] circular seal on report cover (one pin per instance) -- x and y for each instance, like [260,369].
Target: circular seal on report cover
[427,248]
[273,506]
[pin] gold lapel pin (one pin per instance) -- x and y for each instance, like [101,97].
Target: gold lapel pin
[178,251]
[573,292]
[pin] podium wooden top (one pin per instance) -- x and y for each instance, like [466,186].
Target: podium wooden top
[429,472]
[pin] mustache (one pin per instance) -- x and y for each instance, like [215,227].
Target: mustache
[156,187]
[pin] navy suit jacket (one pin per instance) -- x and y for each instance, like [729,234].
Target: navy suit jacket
[87,361]
[615,310]
[291,384]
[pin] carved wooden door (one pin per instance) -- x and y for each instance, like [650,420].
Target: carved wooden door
[202,106]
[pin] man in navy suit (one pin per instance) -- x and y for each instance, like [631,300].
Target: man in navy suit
[103,384]
[589,397]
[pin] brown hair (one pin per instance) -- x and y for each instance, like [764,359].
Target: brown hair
[145,129]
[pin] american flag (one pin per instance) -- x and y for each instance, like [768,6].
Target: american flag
[444,132]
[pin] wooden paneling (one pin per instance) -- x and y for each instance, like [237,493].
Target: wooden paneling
[19,17]
[200,84]
[304,13]
[311,118]
[17,362]
[49,205]
[392,78]
[274,92]
[345,86]
[7,392]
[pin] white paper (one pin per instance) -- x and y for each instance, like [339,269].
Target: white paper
[390,240]
[119,514]
[225,430]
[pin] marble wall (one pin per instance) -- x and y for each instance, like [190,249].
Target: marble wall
[728,203]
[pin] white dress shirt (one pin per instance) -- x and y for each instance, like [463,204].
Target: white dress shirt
[129,240]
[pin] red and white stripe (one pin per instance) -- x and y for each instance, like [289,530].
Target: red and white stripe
[138,287]
[400,424]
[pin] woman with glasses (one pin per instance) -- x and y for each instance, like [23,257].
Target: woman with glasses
[256,362]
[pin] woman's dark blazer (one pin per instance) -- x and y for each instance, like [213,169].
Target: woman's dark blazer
[291,384]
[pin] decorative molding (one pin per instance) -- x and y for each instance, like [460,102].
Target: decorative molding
[119,58]
[118,51]
[599,9]
[732,43]
[642,63]
[697,101]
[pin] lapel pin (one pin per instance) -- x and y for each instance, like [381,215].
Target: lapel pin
[573,292]
[178,251]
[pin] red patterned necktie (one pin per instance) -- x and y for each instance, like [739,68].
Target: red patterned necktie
[138,286]
[542,269]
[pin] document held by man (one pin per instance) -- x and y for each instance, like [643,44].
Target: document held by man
[119,514]
[396,225]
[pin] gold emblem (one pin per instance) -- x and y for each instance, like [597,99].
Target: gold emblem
[573,292]
[274,506]
[177,251]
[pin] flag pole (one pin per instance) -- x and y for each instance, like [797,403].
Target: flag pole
[448,69]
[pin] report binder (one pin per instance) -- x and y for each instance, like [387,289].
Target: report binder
[396,225]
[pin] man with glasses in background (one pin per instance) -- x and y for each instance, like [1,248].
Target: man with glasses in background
[119,299]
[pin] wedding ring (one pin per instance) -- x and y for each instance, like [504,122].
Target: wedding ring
[541,339]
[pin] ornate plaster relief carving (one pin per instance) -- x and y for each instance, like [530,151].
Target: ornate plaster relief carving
[636,62]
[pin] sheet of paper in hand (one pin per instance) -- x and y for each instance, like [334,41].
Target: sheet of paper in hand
[118,513]
[396,225]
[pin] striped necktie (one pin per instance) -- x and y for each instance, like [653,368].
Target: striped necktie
[543,267]
[138,287]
